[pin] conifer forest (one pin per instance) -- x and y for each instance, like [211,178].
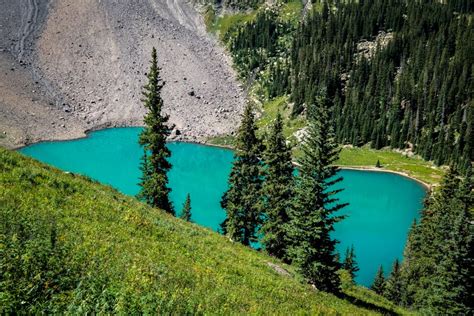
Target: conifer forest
[398,72]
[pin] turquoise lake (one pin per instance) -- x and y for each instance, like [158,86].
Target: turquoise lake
[382,205]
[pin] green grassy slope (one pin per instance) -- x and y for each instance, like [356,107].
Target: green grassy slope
[392,160]
[68,244]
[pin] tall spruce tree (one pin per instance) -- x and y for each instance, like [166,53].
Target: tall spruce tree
[186,211]
[242,201]
[394,284]
[313,218]
[350,263]
[412,247]
[155,164]
[277,191]
[378,286]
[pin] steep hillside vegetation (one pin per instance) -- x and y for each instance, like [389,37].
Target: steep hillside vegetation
[399,72]
[68,244]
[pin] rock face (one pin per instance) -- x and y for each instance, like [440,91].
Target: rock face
[80,65]
[367,49]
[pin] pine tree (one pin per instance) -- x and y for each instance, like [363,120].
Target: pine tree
[379,282]
[467,241]
[312,221]
[350,263]
[242,201]
[378,165]
[186,211]
[277,191]
[394,284]
[410,276]
[155,164]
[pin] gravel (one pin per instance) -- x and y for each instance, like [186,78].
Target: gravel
[82,65]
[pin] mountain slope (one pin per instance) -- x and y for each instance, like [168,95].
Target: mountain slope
[69,244]
[83,64]
[398,72]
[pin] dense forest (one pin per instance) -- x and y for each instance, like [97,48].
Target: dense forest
[398,72]
[436,274]
[266,198]
[438,267]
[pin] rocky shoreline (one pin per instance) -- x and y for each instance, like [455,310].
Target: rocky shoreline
[68,67]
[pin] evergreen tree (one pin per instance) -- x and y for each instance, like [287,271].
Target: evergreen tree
[155,164]
[437,270]
[412,247]
[394,284]
[313,218]
[350,263]
[379,282]
[277,191]
[242,201]
[378,165]
[186,211]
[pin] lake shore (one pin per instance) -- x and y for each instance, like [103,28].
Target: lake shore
[204,141]
[427,186]
[83,133]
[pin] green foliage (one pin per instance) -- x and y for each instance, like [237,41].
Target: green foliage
[393,288]
[72,246]
[398,72]
[280,105]
[35,263]
[260,43]
[313,218]
[438,265]
[379,282]
[155,165]
[291,10]
[221,141]
[277,191]
[411,89]
[358,157]
[209,17]
[242,201]
[255,41]
[226,25]
[370,298]
[414,166]
[349,264]
[236,4]
[186,211]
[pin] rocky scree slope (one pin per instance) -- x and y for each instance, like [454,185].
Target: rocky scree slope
[75,65]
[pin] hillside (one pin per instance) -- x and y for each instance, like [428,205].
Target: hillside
[70,244]
[71,66]
[397,72]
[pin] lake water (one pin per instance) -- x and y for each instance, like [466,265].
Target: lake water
[382,205]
